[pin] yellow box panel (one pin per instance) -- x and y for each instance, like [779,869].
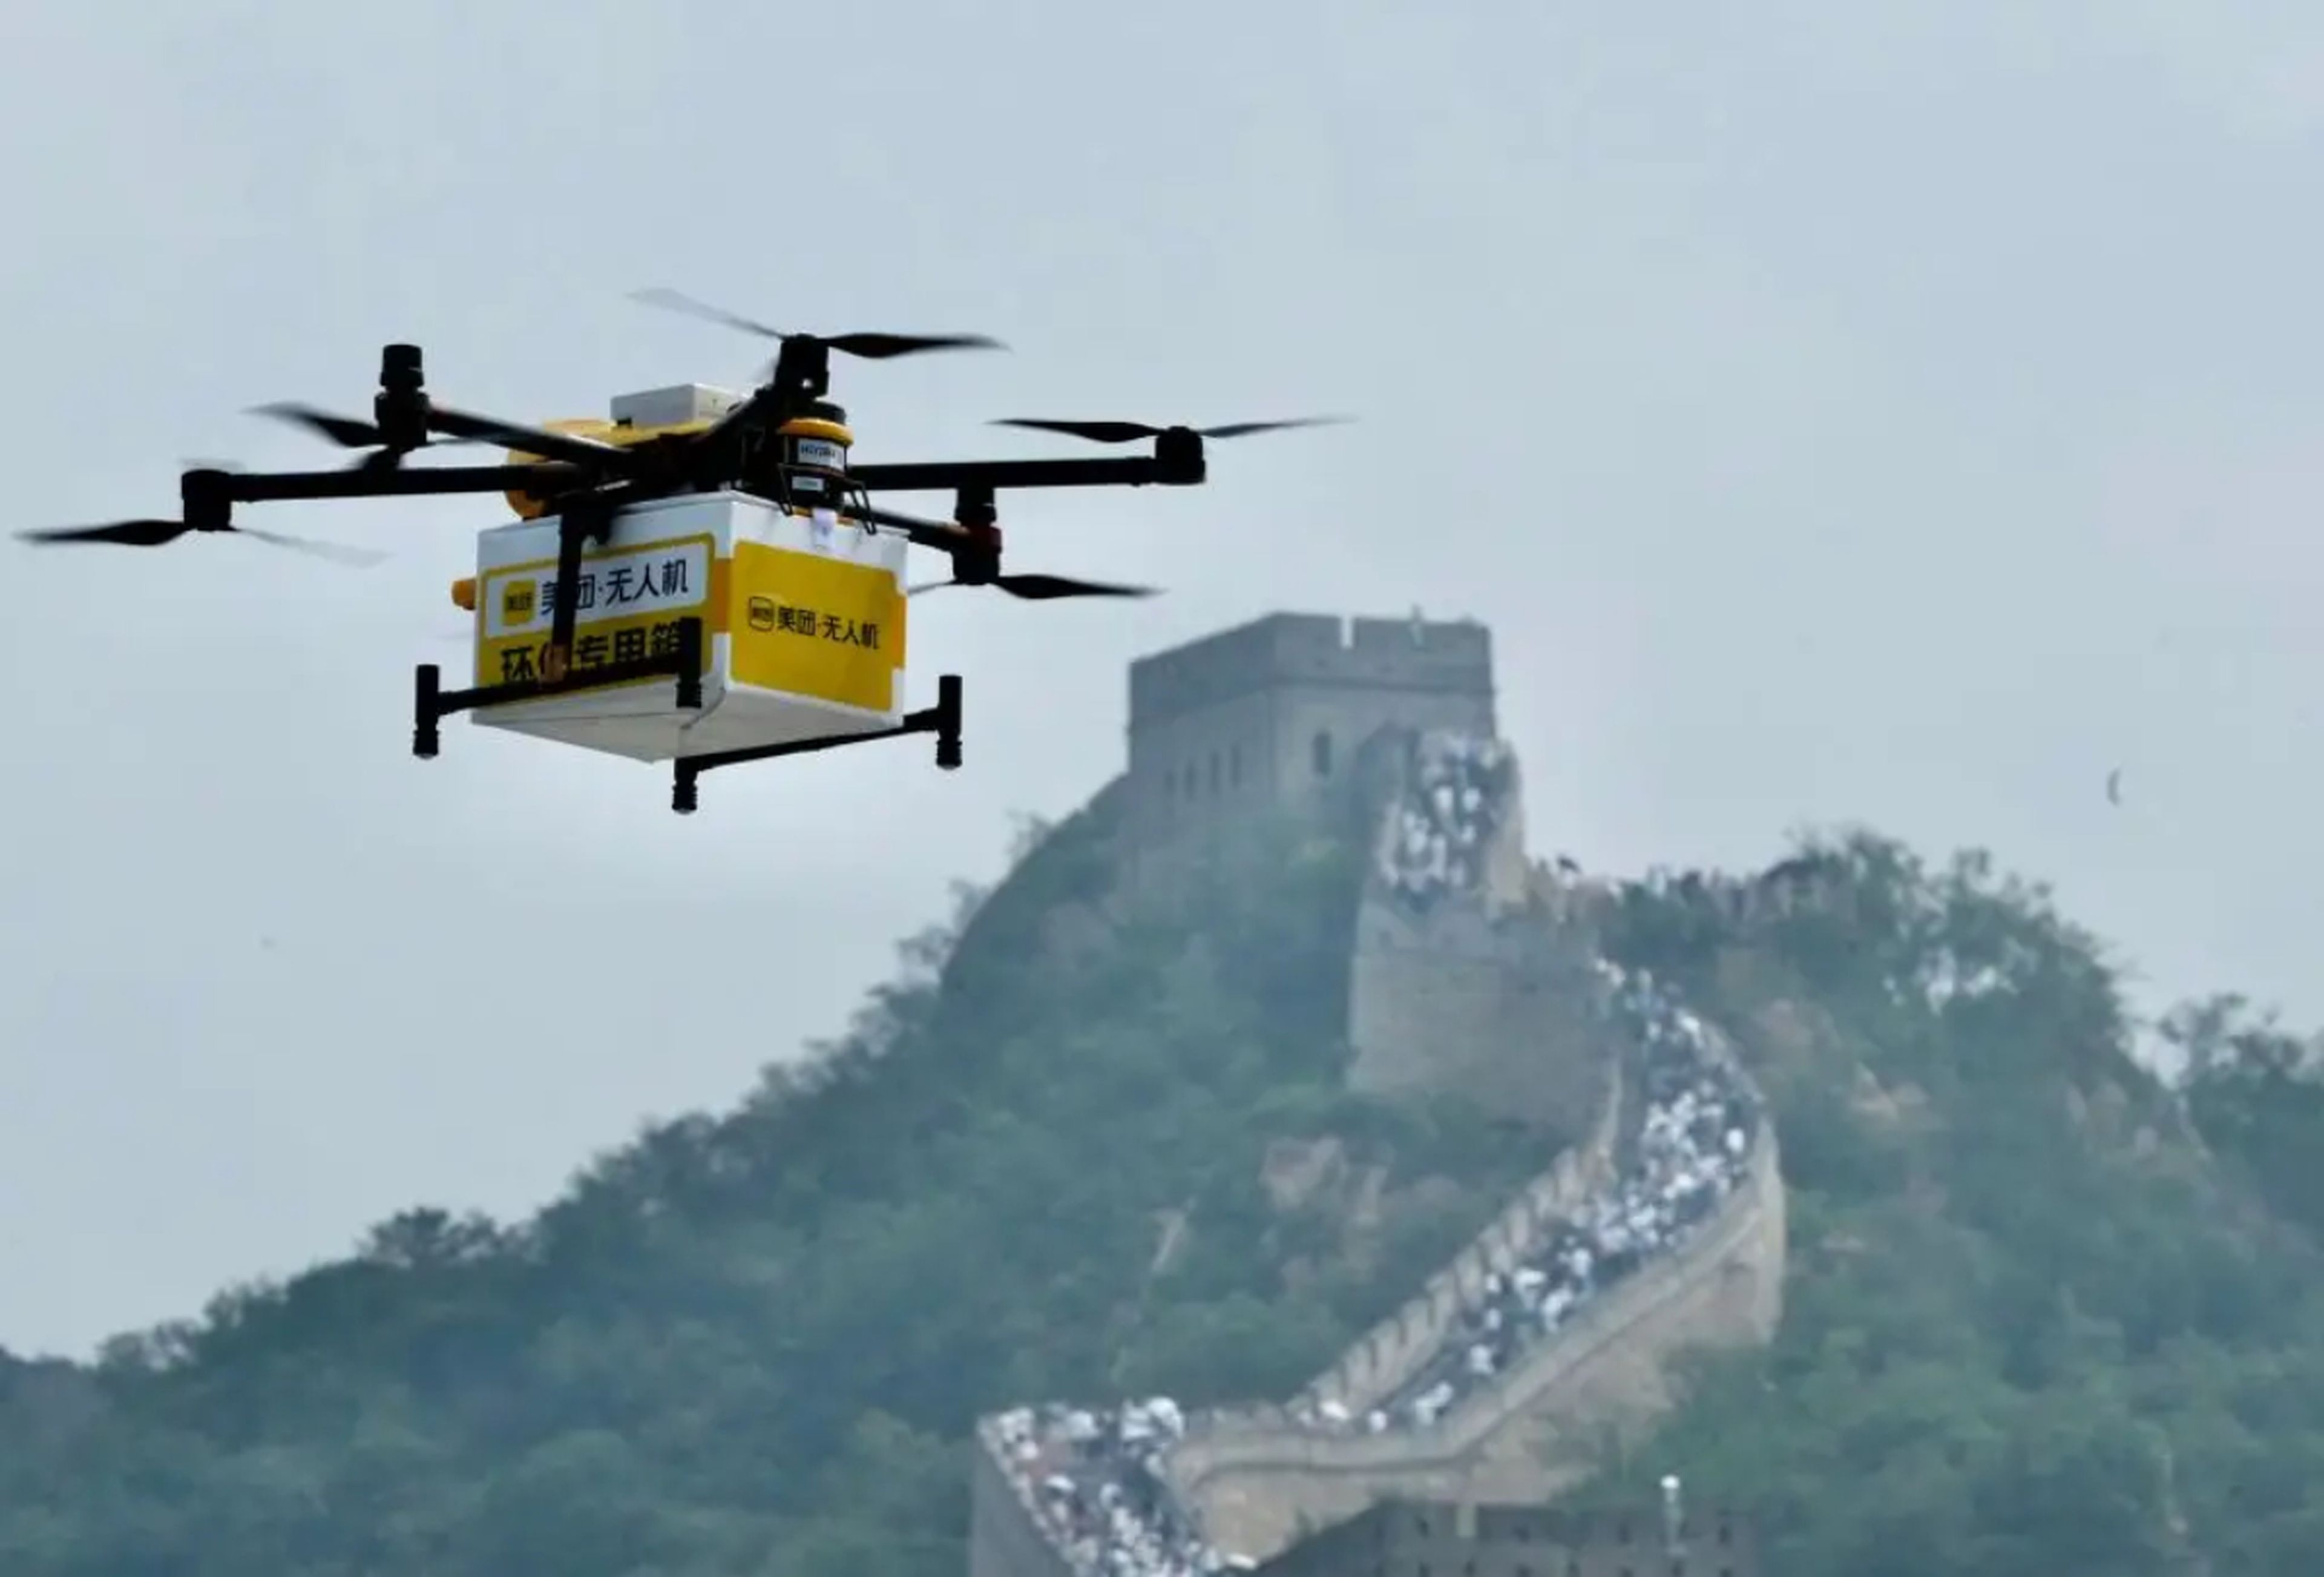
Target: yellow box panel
[809,625]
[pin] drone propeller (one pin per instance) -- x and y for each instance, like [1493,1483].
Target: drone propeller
[125,533]
[464,428]
[159,533]
[1123,432]
[869,346]
[336,552]
[1043,587]
[349,432]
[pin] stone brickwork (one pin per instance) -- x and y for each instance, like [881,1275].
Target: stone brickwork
[1491,990]
[1387,1356]
[1417,1538]
[1274,712]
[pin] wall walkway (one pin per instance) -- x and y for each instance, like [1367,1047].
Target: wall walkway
[1256,1480]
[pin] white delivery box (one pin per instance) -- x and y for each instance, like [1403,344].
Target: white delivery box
[802,615]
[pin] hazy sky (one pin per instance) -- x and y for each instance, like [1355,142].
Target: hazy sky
[1900,414]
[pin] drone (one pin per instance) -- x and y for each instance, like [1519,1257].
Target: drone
[704,579]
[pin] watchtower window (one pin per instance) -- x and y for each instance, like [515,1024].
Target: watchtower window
[1214,772]
[1321,751]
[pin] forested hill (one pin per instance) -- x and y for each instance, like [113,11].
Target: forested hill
[2046,1316]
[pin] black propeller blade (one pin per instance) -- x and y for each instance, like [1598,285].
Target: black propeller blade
[571,447]
[869,346]
[1043,588]
[346,431]
[126,533]
[159,533]
[336,552]
[1123,432]
[463,426]
[151,534]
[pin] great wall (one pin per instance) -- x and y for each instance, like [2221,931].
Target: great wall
[1473,966]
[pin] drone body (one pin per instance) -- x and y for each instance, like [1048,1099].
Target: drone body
[802,618]
[789,615]
[703,579]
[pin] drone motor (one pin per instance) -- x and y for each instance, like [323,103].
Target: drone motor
[399,409]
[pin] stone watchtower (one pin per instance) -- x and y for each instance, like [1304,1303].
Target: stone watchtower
[1263,715]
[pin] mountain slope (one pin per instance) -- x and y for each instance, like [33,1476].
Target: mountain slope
[2033,1326]
[757,1341]
[1661,1230]
[2044,1313]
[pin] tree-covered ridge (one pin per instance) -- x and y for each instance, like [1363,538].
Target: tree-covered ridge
[1099,1480]
[2045,1309]
[2047,1313]
[756,1342]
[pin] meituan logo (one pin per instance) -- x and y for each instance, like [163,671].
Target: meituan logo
[762,613]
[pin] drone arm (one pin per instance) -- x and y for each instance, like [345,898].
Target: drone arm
[973,545]
[942,535]
[270,486]
[950,476]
